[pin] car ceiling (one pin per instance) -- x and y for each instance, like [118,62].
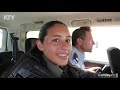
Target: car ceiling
[38,17]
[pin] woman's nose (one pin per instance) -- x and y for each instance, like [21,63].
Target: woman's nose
[65,45]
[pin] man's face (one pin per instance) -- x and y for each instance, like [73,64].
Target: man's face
[88,42]
[57,44]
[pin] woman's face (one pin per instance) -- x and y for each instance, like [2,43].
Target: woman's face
[57,44]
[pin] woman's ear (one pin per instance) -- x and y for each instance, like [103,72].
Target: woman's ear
[39,45]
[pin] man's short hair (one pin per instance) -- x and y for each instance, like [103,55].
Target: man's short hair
[79,33]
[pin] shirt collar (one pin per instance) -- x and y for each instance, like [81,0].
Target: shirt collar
[53,68]
[77,51]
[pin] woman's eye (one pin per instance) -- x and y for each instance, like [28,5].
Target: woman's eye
[56,40]
[68,41]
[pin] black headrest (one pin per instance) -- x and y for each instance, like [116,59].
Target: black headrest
[5,57]
[29,43]
[114,59]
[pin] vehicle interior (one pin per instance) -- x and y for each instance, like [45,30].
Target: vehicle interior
[20,30]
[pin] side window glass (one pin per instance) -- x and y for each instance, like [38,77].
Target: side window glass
[104,38]
[32,34]
[3,39]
